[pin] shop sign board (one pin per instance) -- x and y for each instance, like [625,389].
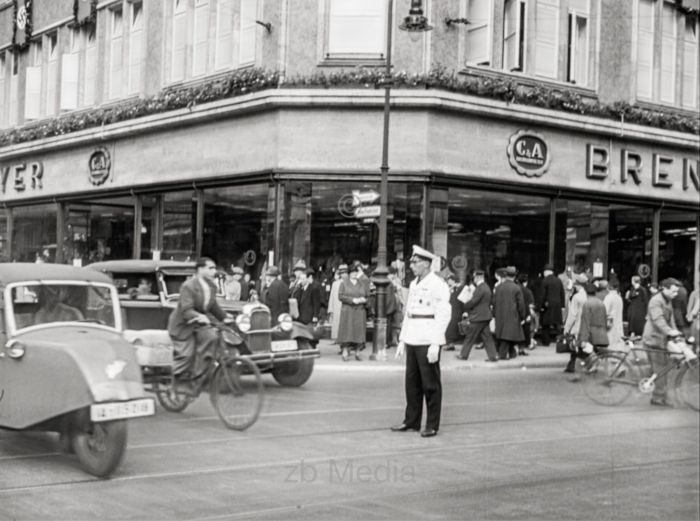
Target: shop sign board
[364,197]
[99,165]
[528,153]
[364,212]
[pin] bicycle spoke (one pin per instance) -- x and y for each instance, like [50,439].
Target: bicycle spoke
[237,393]
[607,380]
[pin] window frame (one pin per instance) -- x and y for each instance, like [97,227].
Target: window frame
[519,34]
[331,57]
[573,51]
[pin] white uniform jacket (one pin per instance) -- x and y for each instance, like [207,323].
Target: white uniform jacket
[427,312]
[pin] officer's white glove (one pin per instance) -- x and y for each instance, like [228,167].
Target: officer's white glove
[400,349]
[433,353]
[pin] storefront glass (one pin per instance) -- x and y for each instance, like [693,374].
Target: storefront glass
[98,230]
[677,249]
[329,223]
[630,244]
[34,233]
[490,230]
[238,226]
[4,242]
[179,225]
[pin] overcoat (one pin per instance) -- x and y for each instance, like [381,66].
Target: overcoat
[479,306]
[509,311]
[613,309]
[659,323]
[353,317]
[452,332]
[190,306]
[276,297]
[638,300]
[594,322]
[334,306]
[552,301]
[309,299]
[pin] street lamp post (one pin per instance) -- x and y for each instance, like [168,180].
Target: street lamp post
[414,22]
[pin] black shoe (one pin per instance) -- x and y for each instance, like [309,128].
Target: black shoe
[402,427]
[523,353]
[478,346]
[491,361]
[428,433]
[570,370]
[460,357]
[660,402]
[449,348]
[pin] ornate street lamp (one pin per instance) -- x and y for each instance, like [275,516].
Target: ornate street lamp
[415,22]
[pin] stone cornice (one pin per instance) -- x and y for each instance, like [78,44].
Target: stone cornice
[401,99]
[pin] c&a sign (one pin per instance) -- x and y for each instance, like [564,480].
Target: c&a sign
[528,153]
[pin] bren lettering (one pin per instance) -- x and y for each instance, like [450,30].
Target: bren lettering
[633,169]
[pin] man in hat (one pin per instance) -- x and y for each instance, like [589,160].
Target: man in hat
[478,308]
[509,311]
[423,332]
[275,294]
[232,286]
[573,317]
[551,304]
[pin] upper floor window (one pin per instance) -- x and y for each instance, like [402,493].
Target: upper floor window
[479,14]
[3,74]
[32,89]
[547,38]
[666,53]
[578,42]
[52,73]
[195,50]
[116,47]
[135,46]
[689,87]
[356,28]
[514,35]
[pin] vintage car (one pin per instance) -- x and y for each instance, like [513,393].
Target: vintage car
[277,345]
[65,365]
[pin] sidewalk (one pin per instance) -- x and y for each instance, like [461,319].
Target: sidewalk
[538,358]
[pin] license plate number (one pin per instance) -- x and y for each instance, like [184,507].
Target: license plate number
[283,345]
[102,412]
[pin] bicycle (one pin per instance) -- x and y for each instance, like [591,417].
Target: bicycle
[610,376]
[236,399]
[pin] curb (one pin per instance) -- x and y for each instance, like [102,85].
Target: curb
[374,366]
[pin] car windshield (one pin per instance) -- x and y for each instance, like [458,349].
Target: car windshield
[46,303]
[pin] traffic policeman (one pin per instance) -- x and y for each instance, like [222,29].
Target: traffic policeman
[427,314]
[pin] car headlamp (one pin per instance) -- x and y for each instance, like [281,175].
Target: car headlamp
[285,322]
[243,322]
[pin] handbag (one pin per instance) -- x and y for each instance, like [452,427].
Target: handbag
[566,343]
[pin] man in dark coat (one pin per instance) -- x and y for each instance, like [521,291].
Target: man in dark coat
[552,302]
[452,334]
[275,294]
[509,311]
[190,323]
[308,295]
[479,310]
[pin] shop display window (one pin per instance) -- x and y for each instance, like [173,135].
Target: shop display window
[238,226]
[490,230]
[677,246]
[179,225]
[34,233]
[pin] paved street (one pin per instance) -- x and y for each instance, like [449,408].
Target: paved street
[514,444]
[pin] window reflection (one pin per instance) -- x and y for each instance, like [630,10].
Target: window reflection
[179,223]
[677,246]
[34,233]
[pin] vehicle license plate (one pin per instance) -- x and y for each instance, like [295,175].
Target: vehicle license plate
[102,412]
[283,345]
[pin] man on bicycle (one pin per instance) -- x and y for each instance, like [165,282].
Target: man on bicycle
[659,326]
[190,323]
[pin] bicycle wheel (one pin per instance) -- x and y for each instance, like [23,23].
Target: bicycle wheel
[609,379]
[688,385]
[171,399]
[236,392]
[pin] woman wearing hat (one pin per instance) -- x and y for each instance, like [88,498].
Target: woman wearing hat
[352,329]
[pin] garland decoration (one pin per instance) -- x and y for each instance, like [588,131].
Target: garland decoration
[239,83]
[88,10]
[22,23]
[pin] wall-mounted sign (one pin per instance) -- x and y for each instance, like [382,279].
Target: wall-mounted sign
[528,153]
[99,165]
[20,176]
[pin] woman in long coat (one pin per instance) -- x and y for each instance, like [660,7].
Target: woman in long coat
[334,304]
[353,295]
[637,299]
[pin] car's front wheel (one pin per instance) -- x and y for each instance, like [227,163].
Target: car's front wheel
[100,446]
[294,373]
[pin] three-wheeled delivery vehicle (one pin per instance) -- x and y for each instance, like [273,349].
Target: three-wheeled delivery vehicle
[64,363]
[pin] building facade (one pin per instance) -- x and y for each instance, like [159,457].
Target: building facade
[127,133]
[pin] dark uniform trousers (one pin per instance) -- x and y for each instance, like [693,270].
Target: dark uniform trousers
[422,381]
